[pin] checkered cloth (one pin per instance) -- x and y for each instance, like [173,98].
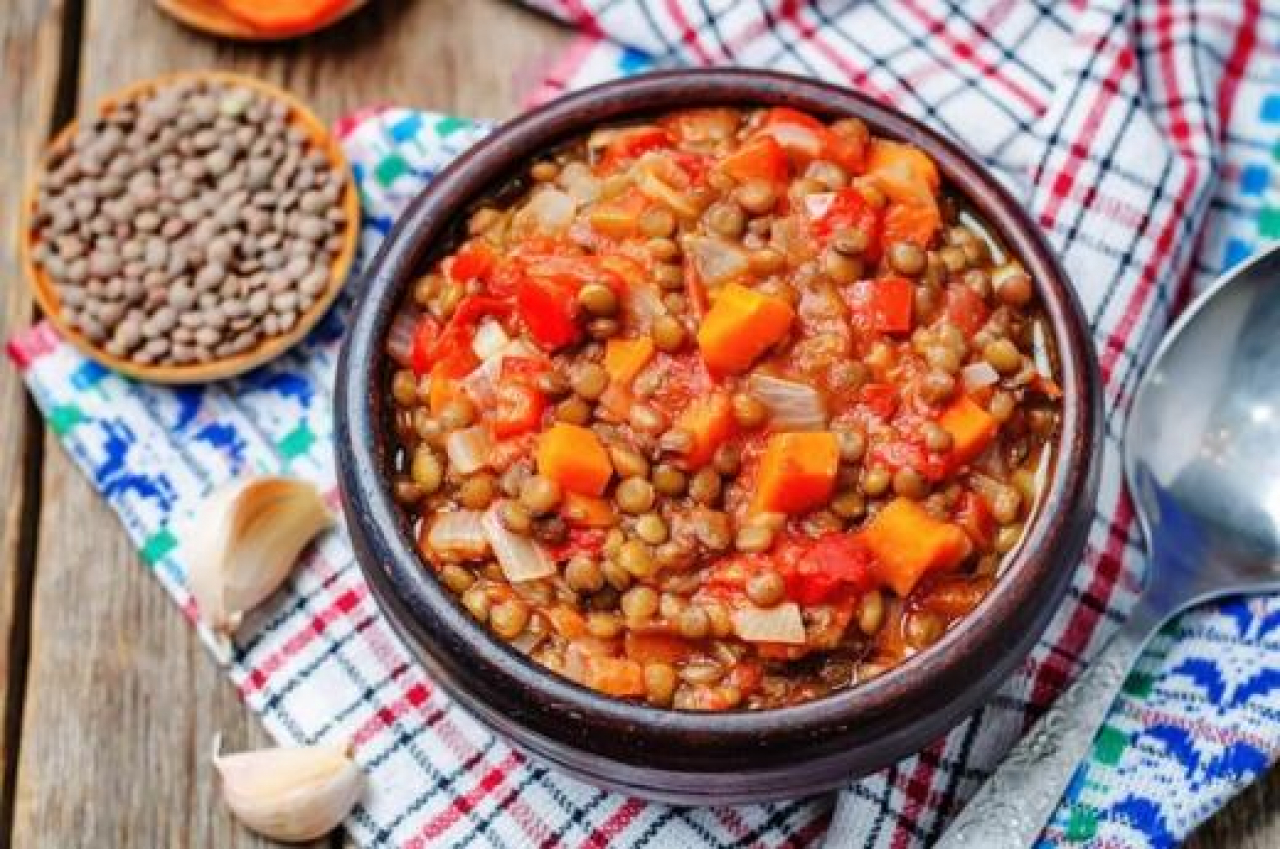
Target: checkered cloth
[1143,141]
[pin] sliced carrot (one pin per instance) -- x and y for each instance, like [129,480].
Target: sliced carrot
[740,326]
[573,457]
[655,647]
[797,472]
[615,676]
[917,223]
[585,511]
[284,17]
[908,544]
[904,172]
[624,358]
[971,427]
[709,420]
[761,158]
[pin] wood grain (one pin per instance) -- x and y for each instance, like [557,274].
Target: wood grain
[29,59]
[122,701]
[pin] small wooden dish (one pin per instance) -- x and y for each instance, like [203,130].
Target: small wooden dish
[210,17]
[46,293]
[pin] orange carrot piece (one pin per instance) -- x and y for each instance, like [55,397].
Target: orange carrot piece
[624,358]
[709,420]
[797,472]
[908,543]
[740,326]
[971,427]
[904,172]
[566,621]
[615,676]
[573,457]
[917,223]
[655,647]
[584,511]
[284,17]
[761,158]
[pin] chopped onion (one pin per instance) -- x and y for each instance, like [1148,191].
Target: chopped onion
[979,374]
[482,382]
[521,558]
[972,223]
[400,337]
[549,212]
[781,624]
[652,187]
[576,179]
[458,534]
[717,260]
[1040,349]
[642,304]
[490,339]
[792,405]
[818,203]
[468,449]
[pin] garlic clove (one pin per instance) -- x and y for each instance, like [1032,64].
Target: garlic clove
[290,794]
[245,543]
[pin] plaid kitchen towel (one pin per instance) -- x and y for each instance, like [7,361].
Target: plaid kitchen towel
[1144,138]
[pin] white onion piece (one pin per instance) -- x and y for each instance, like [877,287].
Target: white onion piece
[468,449]
[818,203]
[781,624]
[979,374]
[653,187]
[792,405]
[1040,349]
[482,383]
[576,179]
[971,222]
[549,212]
[490,339]
[604,137]
[400,337]
[521,558]
[641,305]
[717,261]
[458,534]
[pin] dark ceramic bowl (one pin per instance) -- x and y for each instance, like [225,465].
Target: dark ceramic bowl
[678,756]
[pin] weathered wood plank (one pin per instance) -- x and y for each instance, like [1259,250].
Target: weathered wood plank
[30,32]
[122,700]
[1251,821]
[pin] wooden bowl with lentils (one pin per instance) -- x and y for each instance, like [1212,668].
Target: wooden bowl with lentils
[731,410]
[196,226]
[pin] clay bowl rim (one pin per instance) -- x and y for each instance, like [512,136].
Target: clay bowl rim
[1038,573]
[46,293]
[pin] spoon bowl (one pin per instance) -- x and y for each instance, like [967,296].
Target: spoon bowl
[1202,460]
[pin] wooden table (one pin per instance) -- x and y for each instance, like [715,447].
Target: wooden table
[109,702]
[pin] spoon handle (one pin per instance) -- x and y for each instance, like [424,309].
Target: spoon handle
[1011,809]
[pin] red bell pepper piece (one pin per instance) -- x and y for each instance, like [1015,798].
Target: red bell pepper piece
[431,344]
[761,158]
[842,210]
[799,134]
[883,305]
[632,143]
[425,336]
[472,261]
[548,307]
[518,409]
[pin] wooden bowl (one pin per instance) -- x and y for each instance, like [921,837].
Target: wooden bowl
[46,292]
[691,757]
[209,16]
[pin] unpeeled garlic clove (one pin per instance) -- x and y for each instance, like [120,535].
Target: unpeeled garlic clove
[290,794]
[245,543]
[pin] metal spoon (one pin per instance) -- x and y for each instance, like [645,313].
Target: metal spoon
[1202,459]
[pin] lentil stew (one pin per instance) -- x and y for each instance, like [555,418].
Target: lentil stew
[726,410]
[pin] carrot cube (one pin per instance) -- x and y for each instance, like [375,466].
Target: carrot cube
[971,427]
[908,543]
[740,326]
[709,420]
[573,457]
[624,358]
[797,472]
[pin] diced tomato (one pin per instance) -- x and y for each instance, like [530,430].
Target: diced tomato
[517,409]
[523,369]
[917,223]
[966,309]
[880,398]
[761,158]
[579,541]
[472,261]
[814,571]
[424,342]
[799,134]
[548,307]
[974,515]
[832,212]
[632,143]
[909,452]
[883,305]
